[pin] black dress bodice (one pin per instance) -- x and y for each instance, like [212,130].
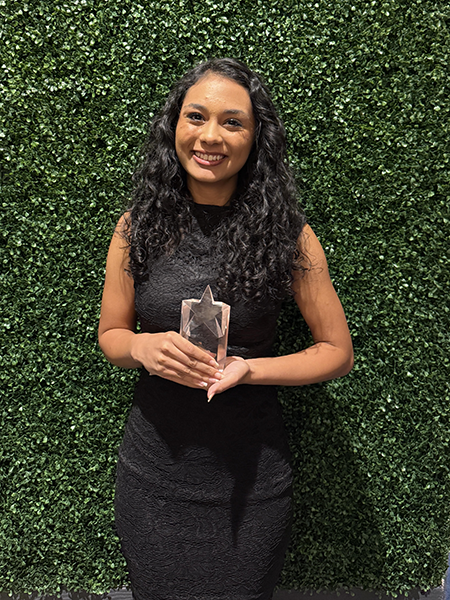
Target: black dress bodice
[185,274]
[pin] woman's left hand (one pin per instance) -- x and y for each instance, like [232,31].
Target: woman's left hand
[236,369]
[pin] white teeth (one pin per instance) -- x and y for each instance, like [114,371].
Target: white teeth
[209,157]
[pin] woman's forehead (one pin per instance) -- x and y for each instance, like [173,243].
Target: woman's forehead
[217,89]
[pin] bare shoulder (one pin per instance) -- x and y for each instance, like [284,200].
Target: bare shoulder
[312,257]
[122,227]
[119,248]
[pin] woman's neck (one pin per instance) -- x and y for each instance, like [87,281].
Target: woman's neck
[214,193]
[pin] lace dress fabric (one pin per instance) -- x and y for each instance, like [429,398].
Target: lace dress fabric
[203,493]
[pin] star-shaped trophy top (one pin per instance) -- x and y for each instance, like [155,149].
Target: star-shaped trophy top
[206,312]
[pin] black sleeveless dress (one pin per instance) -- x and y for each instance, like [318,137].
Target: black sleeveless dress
[203,493]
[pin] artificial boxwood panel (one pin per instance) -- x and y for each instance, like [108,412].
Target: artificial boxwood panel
[363,89]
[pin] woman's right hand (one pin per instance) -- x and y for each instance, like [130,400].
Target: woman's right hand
[172,357]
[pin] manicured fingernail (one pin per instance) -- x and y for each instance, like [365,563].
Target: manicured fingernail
[203,384]
[218,375]
[214,363]
[210,397]
[212,380]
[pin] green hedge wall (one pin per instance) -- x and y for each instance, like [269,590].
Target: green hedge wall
[363,87]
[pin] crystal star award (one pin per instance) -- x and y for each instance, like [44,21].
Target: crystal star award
[205,322]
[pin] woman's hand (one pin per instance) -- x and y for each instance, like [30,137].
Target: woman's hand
[236,369]
[171,356]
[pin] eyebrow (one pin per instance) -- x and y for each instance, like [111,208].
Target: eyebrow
[229,111]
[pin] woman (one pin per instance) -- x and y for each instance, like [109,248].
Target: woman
[203,497]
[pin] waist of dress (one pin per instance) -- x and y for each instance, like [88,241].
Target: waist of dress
[156,388]
[244,414]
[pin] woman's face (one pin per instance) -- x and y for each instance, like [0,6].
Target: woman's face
[215,132]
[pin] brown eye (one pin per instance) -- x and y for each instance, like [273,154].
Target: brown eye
[195,117]
[234,123]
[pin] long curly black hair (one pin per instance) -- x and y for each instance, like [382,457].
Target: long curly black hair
[256,242]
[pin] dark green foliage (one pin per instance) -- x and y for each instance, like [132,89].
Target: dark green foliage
[363,89]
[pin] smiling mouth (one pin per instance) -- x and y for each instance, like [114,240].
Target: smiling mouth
[208,158]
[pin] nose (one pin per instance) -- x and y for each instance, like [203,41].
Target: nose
[210,133]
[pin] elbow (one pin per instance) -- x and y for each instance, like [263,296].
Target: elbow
[101,341]
[350,363]
[106,350]
[347,364]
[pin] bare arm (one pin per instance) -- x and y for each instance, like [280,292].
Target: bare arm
[165,354]
[331,355]
[117,323]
